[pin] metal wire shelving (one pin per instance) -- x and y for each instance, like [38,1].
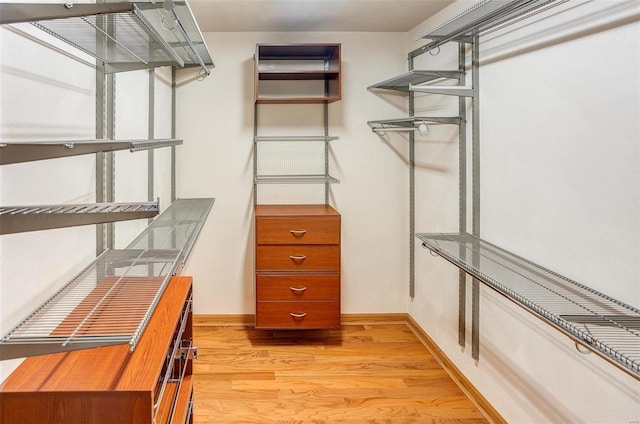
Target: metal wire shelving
[602,324]
[296,179]
[403,82]
[125,36]
[18,219]
[27,151]
[481,17]
[112,299]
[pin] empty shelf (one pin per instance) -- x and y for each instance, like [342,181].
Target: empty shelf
[412,123]
[18,219]
[296,179]
[482,16]
[402,82]
[111,301]
[125,36]
[296,138]
[27,151]
[176,228]
[595,320]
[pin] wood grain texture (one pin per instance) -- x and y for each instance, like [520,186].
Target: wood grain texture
[312,257]
[297,314]
[359,373]
[102,385]
[298,230]
[300,211]
[297,266]
[297,287]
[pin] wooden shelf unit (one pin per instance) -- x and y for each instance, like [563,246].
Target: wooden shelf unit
[112,384]
[297,73]
[297,267]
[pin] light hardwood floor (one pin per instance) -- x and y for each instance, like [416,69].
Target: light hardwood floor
[362,373]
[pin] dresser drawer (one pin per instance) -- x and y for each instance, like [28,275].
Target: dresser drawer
[298,258]
[298,287]
[293,315]
[298,230]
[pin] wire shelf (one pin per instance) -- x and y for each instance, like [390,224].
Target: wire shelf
[111,301]
[402,82]
[296,138]
[27,151]
[481,17]
[296,179]
[593,319]
[17,219]
[125,36]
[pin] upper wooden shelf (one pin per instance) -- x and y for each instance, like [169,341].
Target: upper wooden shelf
[297,73]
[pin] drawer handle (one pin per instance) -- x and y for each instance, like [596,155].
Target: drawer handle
[297,290]
[298,316]
[297,258]
[298,233]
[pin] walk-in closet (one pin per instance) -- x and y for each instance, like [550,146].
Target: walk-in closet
[221,211]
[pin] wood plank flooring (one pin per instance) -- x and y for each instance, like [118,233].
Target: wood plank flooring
[379,373]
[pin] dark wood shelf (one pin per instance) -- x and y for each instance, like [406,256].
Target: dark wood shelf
[312,69]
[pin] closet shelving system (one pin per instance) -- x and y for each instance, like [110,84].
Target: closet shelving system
[591,319]
[289,63]
[89,311]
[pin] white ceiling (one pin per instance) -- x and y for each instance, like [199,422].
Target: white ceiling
[313,15]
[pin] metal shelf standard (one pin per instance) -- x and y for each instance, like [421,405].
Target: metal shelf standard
[18,219]
[125,36]
[111,301]
[600,323]
[27,151]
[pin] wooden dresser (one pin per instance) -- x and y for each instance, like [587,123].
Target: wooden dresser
[297,267]
[111,384]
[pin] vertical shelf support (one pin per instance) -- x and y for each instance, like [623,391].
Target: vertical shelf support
[412,192]
[475,296]
[462,201]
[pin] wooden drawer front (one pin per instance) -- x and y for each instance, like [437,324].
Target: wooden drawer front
[293,315]
[298,258]
[298,230]
[298,287]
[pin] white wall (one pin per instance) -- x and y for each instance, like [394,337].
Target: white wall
[560,185]
[215,117]
[48,95]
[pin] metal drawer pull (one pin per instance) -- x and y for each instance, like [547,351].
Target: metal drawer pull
[302,315]
[297,258]
[297,289]
[298,233]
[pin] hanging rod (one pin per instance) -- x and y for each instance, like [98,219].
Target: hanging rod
[204,68]
[422,128]
[415,123]
[448,90]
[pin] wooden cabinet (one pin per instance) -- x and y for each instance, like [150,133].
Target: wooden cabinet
[297,73]
[152,384]
[297,267]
